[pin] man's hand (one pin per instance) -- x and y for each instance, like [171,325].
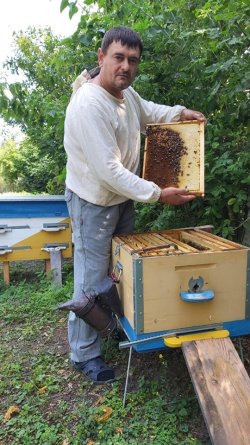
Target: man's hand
[175,196]
[187,115]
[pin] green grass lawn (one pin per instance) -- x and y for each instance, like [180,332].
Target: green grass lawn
[57,406]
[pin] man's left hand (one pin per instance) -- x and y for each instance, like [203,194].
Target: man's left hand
[187,115]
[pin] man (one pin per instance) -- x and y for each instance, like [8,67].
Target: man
[103,123]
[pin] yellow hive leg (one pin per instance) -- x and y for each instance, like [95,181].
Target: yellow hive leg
[47,266]
[6,272]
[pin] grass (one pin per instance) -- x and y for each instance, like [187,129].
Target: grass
[57,406]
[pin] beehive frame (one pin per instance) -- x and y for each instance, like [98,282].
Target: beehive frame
[174,155]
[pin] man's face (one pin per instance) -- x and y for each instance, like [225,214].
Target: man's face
[118,67]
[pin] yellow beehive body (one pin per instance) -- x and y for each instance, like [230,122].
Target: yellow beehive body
[166,272]
[34,238]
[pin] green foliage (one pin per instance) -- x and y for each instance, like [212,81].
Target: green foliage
[38,102]
[23,168]
[71,5]
[196,53]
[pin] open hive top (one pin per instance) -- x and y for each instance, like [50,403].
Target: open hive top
[174,242]
[174,155]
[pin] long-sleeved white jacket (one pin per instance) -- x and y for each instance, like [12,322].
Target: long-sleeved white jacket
[102,142]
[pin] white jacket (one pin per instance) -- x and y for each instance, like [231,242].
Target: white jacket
[102,142]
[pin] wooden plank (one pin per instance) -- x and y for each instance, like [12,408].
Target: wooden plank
[175,236]
[152,239]
[228,243]
[202,160]
[206,228]
[217,243]
[47,266]
[155,248]
[169,239]
[205,244]
[139,241]
[166,237]
[131,242]
[183,246]
[223,389]
[6,272]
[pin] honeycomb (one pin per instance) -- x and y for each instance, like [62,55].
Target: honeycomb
[174,155]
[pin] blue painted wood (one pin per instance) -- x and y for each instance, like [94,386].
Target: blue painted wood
[33,206]
[150,346]
[236,328]
[197,297]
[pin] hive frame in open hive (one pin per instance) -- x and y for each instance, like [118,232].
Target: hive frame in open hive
[151,280]
[174,155]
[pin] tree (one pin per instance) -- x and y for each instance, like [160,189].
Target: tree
[37,103]
[23,169]
[197,54]
[47,67]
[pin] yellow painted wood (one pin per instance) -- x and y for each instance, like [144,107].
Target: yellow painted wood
[164,276]
[182,246]
[176,342]
[205,242]
[125,287]
[216,239]
[37,242]
[33,225]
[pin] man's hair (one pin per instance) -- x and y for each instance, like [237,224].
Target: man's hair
[124,35]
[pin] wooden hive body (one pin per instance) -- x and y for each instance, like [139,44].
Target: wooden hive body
[30,224]
[174,155]
[152,279]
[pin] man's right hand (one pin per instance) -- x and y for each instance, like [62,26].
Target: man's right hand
[175,196]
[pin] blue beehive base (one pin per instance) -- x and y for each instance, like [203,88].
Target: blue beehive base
[236,328]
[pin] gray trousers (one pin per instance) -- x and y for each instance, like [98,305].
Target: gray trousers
[93,229]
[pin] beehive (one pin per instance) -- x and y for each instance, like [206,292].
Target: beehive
[174,155]
[158,268]
[29,225]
